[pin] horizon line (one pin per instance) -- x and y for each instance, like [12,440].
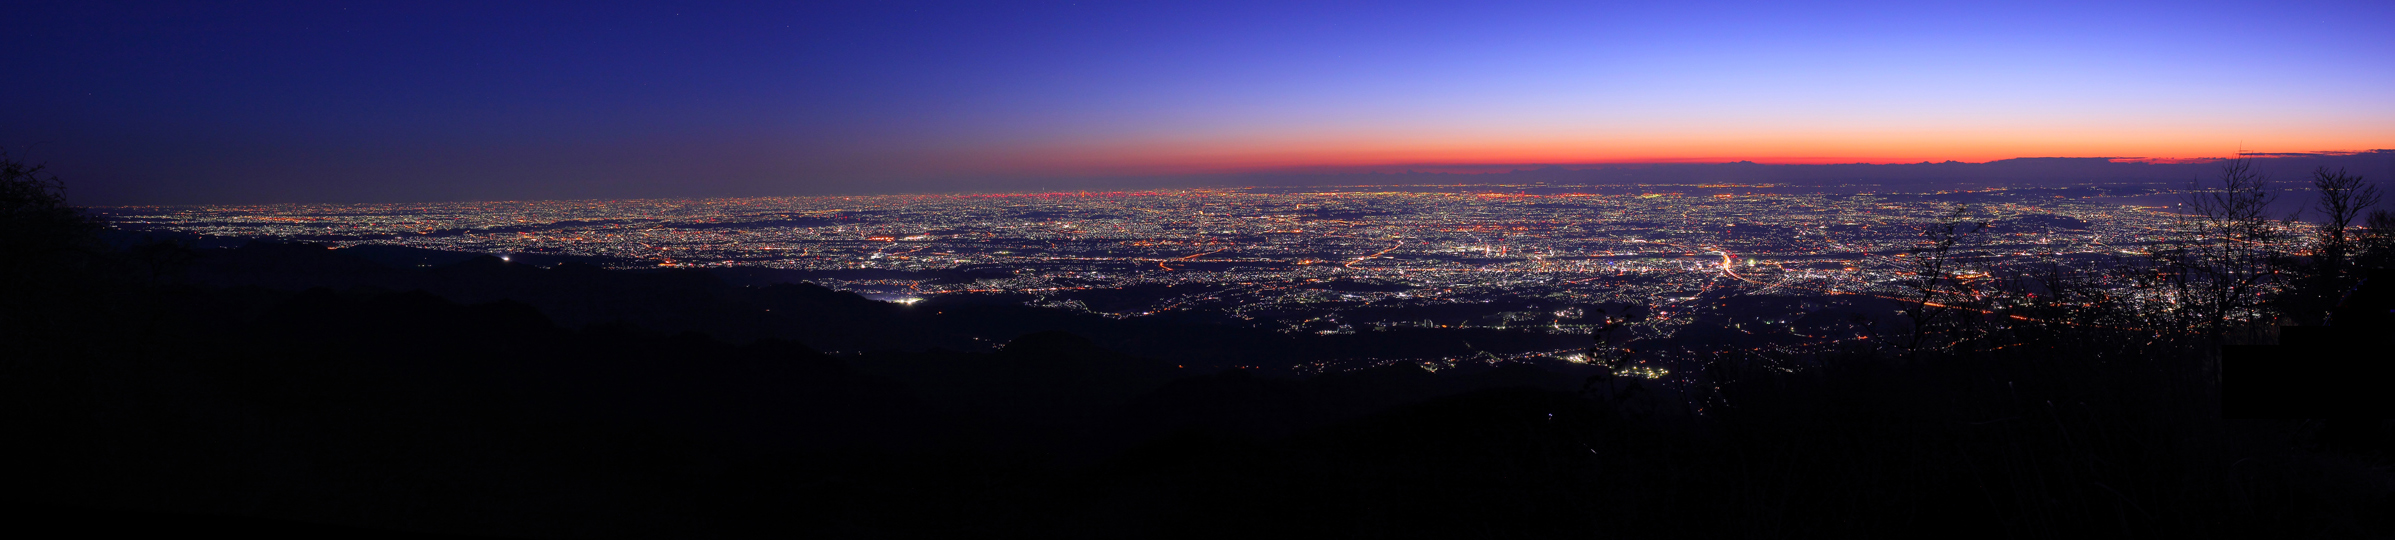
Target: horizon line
[1503,167]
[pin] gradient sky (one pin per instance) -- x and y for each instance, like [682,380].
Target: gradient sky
[422,101]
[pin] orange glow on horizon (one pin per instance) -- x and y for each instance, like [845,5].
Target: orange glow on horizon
[1394,154]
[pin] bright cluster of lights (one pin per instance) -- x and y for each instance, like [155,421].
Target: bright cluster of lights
[1643,372]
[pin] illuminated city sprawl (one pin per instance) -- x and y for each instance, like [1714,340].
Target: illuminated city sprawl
[1322,260]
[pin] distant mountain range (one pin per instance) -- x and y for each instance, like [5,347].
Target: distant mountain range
[2288,167]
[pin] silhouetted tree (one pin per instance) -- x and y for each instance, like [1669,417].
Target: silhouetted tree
[37,227]
[49,252]
[2343,198]
[1939,309]
[2223,264]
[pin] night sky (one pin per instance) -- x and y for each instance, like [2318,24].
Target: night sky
[176,103]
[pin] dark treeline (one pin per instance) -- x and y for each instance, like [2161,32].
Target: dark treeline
[481,397]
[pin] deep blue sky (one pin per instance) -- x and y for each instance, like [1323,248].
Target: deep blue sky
[416,101]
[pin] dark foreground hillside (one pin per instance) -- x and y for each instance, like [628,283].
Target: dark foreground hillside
[406,410]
